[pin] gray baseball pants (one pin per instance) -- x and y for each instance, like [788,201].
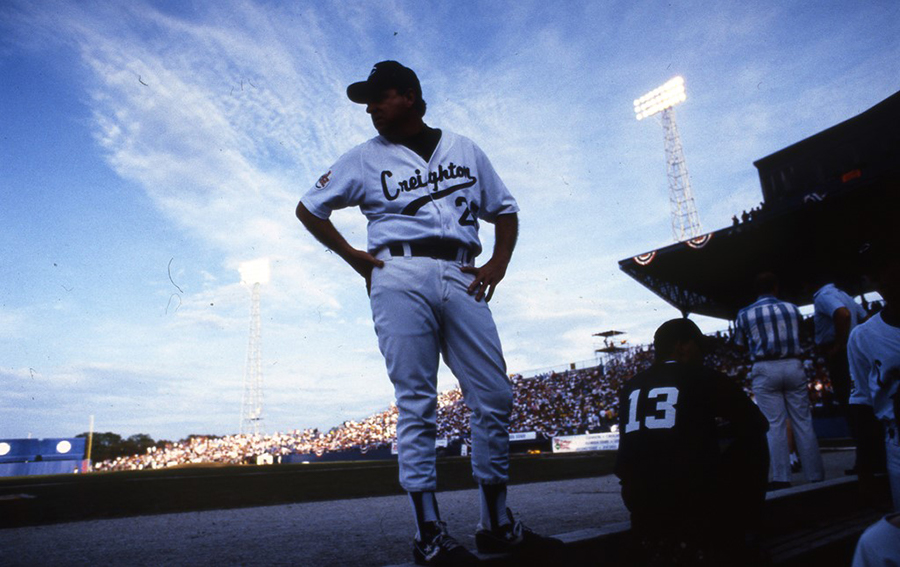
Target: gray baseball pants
[421,311]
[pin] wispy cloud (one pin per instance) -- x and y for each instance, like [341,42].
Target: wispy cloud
[219,117]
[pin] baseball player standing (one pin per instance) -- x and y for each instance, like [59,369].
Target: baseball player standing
[835,315]
[873,351]
[770,329]
[424,192]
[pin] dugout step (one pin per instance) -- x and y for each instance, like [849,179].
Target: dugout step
[812,523]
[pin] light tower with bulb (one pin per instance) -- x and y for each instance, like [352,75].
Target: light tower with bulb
[253,273]
[685,220]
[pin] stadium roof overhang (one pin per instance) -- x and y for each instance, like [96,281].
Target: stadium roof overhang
[824,197]
[814,242]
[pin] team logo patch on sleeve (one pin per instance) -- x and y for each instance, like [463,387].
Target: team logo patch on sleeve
[323,181]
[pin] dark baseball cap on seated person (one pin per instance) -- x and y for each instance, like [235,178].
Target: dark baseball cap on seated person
[676,331]
[384,75]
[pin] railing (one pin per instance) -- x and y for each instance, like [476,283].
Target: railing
[561,368]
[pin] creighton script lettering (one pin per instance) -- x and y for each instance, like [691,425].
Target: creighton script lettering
[433,180]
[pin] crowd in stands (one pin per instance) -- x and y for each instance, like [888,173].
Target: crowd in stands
[575,401]
[552,403]
[373,431]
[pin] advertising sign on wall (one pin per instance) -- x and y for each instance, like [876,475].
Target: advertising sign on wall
[586,442]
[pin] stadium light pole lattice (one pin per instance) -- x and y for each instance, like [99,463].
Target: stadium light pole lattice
[685,220]
[256,272]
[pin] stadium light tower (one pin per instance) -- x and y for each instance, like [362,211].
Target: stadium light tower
[253,273]
[685,221]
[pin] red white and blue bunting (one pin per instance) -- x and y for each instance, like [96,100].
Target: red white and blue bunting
[700,241]
[644,259]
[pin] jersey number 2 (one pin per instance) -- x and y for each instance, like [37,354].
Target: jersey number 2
[665,398]
[470,213]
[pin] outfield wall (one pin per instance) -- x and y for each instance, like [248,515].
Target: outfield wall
[25,457]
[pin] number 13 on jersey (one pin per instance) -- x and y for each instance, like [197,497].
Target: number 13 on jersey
[663,414]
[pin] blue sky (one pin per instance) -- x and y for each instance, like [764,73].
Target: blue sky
[148,149]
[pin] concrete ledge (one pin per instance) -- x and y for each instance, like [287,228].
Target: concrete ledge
[809,487]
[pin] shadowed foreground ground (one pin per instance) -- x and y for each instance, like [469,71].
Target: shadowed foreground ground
[365,531]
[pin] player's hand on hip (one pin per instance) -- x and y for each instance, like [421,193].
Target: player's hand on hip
[486,278]
[364,263]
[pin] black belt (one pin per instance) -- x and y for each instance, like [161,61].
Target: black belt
[776,358]
[438,249]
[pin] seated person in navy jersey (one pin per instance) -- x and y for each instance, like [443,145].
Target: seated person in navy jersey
[693,458]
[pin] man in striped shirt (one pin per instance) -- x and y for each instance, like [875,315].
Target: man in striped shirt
[770,329]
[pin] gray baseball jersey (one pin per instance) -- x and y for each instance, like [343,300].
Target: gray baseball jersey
[406,198]
[826,301]
[874,354]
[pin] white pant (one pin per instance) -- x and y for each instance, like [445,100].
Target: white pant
[421,310]
[892,452]
[780,389]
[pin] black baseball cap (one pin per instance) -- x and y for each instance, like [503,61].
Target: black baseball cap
[384,75]
[676,331]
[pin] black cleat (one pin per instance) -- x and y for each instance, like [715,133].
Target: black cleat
[441,549]
[515,538]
